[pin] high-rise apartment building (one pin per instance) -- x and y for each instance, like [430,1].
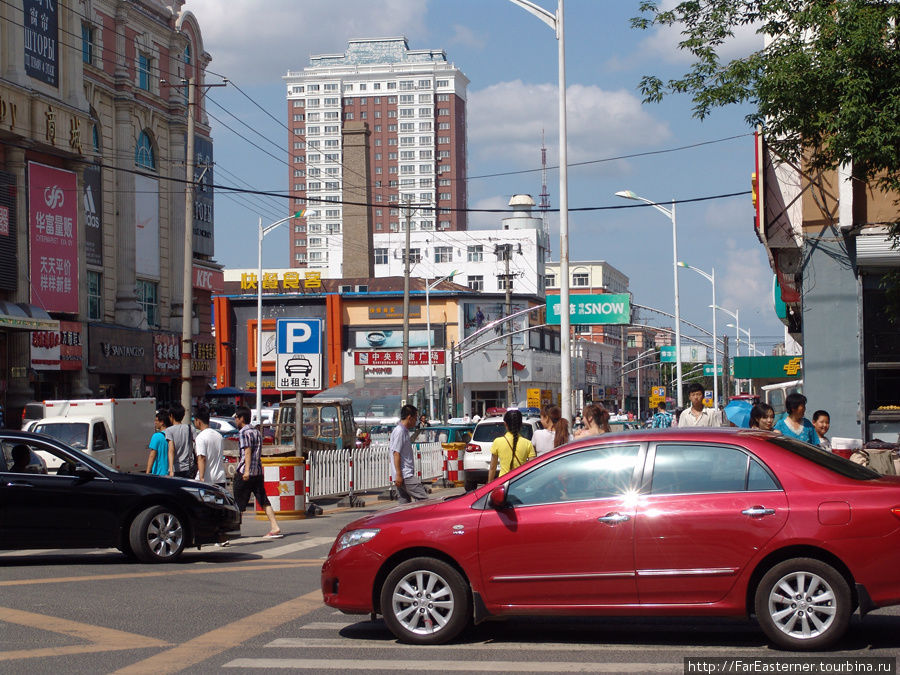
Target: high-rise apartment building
[414,104]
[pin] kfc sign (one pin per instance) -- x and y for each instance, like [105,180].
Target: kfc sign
[208,280]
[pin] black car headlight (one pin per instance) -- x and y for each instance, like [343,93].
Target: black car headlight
[207,495]
[354,537]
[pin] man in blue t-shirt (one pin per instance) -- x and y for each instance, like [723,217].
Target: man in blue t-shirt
[158,461]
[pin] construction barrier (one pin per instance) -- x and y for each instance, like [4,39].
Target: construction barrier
[454,474]
[284,479]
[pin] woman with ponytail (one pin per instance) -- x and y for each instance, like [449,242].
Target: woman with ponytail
[596,421]
[510,450]
[555,432]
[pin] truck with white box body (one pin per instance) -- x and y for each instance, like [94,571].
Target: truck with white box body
[115,431]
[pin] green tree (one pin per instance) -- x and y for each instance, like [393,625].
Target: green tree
[826,87]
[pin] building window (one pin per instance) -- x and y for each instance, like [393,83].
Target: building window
[442,254]
[581,329]
[443,83]
[445,196]
[95,296]
[581,279]
[475,253]
[143,67]
[443,111]
[299,242]
[143,152]
[415,256]
[443,98]
[148,298]
[87,43]
[475,282]
[549,280]
[504,282]
[95,137]
[381,255]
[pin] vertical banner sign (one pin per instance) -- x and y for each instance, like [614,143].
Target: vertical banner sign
[53,237]
[42,40]
[146,216]
[92,199]
[9,262]
[203,196]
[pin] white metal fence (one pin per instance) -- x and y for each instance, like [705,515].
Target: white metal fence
[335,472]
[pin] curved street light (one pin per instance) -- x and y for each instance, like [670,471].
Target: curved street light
[263,231]
[556,23]
[428,288]
[670,214]
[711,278]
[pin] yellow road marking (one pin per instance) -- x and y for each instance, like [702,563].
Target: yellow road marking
[227,637]
[99,639]
[267,565]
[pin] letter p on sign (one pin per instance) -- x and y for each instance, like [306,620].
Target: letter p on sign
[299,336]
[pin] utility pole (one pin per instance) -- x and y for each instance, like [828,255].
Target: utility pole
[505,250]
[726,369]
[187,306]
[404,378]
[187,279]
[622,339]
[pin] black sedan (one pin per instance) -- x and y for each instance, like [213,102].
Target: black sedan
[82,503]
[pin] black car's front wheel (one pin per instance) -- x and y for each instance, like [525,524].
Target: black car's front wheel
[425,601]
[157,535]
[803,604]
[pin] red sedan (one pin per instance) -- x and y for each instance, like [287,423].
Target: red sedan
[657,523]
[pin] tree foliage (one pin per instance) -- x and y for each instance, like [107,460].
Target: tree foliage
[826,86]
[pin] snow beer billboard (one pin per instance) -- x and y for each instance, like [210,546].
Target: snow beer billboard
[584,309]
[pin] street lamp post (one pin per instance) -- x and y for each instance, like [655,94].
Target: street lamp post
[711,278]
[751,348]
[263,231]
[428,288]
[556,23]
[736,314]
[670,214]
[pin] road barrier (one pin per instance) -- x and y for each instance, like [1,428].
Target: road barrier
[331,473]
[283,478]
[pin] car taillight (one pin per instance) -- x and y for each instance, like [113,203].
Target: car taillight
[473,447]
[896,511]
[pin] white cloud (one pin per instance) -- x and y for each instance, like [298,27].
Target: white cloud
[506,121]
[488,221]
[745,281]
[662,42]
[253,42]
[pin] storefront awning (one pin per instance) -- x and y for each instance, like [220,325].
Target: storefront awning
[22,316]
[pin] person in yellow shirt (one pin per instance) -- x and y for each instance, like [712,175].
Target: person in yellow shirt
[510,450]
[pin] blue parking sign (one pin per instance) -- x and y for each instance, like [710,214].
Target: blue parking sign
[298,336]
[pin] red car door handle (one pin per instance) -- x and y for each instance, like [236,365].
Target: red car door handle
[614,518]
[758,512]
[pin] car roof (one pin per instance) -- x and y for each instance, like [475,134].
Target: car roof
[499,418]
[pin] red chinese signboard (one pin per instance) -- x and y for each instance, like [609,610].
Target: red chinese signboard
[57,350]
[53,235]
[416,358]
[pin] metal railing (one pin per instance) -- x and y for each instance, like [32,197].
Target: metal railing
[330,473]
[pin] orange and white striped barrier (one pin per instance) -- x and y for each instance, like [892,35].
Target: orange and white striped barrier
[284,479]
[454,471]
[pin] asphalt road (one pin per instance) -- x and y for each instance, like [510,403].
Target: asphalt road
[256,606]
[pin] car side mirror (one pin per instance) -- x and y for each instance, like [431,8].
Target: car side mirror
[497,497]
[84,471]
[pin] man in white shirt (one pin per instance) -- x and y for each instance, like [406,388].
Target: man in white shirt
[697,415]
[210,468]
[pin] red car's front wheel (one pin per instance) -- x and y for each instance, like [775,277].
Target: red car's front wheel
[425,601]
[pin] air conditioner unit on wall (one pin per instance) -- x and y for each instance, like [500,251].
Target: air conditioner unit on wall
[362,288]
[345,289]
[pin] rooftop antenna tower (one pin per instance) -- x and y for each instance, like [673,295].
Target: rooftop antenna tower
[544,204]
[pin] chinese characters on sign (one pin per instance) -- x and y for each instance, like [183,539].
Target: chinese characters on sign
[417,358]
[166,358]
[53,221]
[57,350]
[270,281]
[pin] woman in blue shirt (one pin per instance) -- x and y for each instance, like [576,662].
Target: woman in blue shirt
[795,425]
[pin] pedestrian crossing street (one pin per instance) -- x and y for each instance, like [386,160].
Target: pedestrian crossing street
[342,644]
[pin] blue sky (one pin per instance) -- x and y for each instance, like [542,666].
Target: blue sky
[510,58]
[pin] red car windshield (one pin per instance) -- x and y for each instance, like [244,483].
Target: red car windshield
[832,462]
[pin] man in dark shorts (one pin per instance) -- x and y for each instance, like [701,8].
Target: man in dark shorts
[249,477]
